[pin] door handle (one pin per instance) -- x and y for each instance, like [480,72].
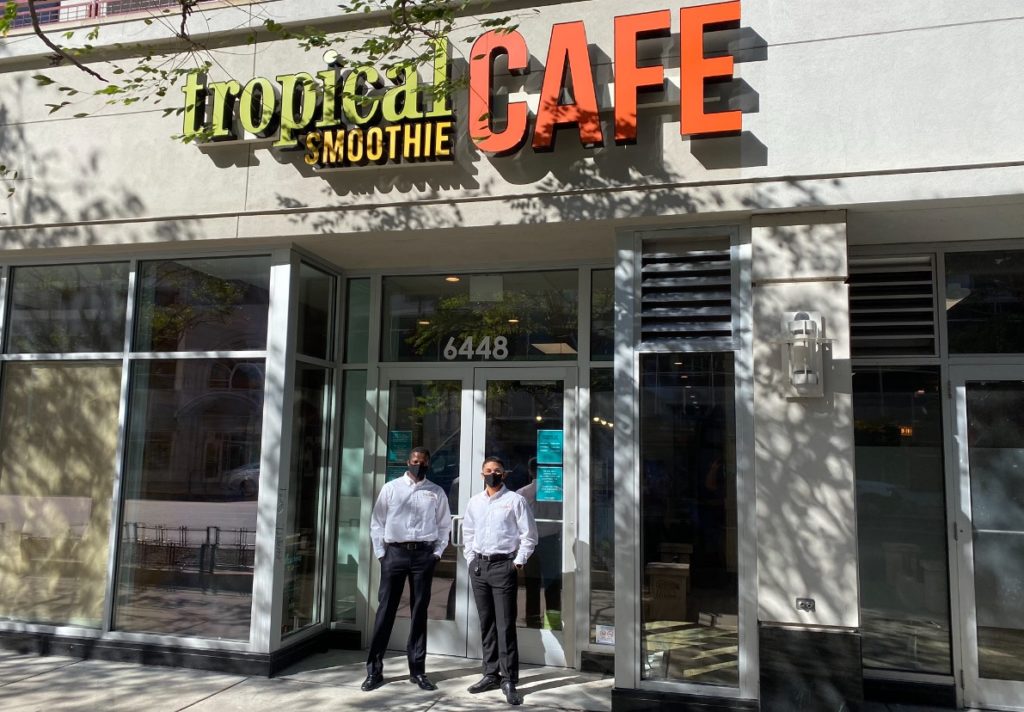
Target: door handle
[456,533]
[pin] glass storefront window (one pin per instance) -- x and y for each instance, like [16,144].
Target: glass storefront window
[353,431]
[995,433]
[302,526]
[58,441]
[315,312]
[516,316]
[203,304]
[191,478]
[357,321]
[602,314]
[689,609]
[68,308]
[602,508]
[984,293]
[901,519]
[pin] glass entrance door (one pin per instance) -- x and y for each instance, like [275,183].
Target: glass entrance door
[989,532]
[525,416]
[430,408]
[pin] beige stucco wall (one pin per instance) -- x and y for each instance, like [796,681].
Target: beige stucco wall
[845,104]
[803,446]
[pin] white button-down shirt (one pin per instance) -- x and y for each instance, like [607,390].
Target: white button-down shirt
[407,510]
[499,524]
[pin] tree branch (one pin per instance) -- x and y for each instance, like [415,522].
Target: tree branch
[186,10]
[49,43]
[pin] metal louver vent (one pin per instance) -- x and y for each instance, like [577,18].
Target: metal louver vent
[686,296]
[892,306]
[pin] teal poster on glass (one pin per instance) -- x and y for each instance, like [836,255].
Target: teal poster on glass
[394,472]
[549,447]
[549,484]
[399,445]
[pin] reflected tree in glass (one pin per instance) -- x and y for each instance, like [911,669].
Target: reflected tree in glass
[203,304]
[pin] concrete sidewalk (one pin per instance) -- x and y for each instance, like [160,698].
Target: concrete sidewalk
[329,681]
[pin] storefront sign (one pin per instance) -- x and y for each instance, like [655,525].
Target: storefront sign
[361,119]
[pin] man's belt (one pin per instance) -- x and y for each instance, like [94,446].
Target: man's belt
[496,557]
[412,545]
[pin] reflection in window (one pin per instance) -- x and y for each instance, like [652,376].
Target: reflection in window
[525,421]
[602,508]
[302,526]
[203,304]
[517,316]
[995,437]
[315,312]
[984,293]
[353,431]
[901,519]
[688,510]
[58,439]
[68,308]
[602,314]
[427,413]
[185,563]
[357,321]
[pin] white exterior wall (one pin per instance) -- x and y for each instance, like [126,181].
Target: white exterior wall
[803,446]
[848,104]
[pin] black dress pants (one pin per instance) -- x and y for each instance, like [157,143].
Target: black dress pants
[397,566]
[496,589]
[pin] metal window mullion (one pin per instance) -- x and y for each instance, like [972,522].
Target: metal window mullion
[748,651]
[942,324]
[625,473]
[120,459]
[376,318]
[375,412]
[314,361]
[325,556]
[584,512]
[334,352]
[196,355]
[101,356]
[375,409]
[583,498]
[5,280]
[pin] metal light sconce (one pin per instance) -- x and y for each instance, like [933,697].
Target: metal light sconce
[803,353]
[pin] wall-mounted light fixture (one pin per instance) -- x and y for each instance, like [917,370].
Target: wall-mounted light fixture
[803,348]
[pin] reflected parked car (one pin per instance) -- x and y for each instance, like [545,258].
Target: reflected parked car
[244,481]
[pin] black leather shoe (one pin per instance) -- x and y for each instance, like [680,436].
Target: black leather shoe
[423,681]
[487,682]
[372,682]
[511,695]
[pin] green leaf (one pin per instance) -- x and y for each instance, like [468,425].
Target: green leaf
[42,80]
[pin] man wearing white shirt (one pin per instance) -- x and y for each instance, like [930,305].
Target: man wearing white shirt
[499,534]
[409,530]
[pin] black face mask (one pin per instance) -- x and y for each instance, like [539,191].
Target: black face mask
[493,481]
[419,471]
